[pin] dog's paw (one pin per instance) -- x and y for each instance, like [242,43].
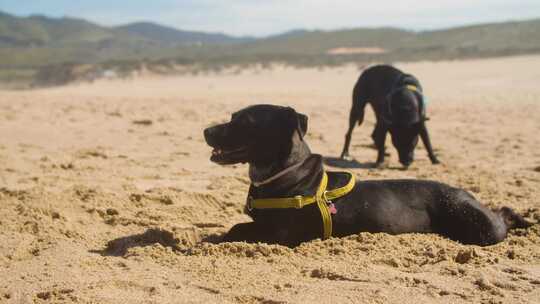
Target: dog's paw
[435,161]
[378,165]
[346,157]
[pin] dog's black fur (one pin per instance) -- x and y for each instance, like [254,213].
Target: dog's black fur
[270,139]
[397,110]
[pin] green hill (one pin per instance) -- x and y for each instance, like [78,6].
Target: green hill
[319,42]
[40,31]
[38,40]
[479,40]
[30,43]
[170,36]
[523,35]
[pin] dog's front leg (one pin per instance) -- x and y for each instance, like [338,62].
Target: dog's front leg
[245,232]
[252,232]
[427,143]
[256,233]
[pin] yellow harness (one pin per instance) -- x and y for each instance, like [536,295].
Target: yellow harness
[322,197]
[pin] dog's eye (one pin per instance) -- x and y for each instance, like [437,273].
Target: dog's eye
[245,122]
[242,120]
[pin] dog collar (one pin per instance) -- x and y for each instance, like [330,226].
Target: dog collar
[322,197]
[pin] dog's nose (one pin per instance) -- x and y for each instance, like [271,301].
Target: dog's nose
[208,134]
[406,162]
[215,135]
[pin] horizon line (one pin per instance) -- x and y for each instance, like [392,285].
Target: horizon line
[307,29]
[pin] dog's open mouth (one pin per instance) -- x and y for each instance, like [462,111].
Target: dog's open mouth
[223,157]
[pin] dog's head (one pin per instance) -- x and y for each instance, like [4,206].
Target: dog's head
[405,118]
[257,134]
[405,139]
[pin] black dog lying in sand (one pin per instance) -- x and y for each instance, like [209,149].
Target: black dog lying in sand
[399,106]
[292,199]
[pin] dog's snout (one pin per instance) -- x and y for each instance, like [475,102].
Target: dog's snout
[215,135]
[406,163]
[209,135]
[406,160]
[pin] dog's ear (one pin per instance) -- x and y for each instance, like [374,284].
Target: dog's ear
[302,124]
[297,121]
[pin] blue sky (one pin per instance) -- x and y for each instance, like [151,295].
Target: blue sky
[264,17]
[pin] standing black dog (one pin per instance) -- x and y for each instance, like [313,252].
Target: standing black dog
[399,106]
[270,139]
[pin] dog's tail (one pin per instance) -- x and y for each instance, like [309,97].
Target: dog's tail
[512,219]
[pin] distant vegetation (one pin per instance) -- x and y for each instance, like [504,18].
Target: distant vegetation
[49,51]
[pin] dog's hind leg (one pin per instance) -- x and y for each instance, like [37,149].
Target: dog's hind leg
[353,118]
[512,219]
[356,115]
[463,219]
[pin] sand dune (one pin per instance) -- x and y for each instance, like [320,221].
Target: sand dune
[107,191]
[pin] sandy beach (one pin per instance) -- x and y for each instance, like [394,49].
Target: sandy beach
[106,191]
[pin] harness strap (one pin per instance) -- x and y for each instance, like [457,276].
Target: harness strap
[322,202]
[322,197]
